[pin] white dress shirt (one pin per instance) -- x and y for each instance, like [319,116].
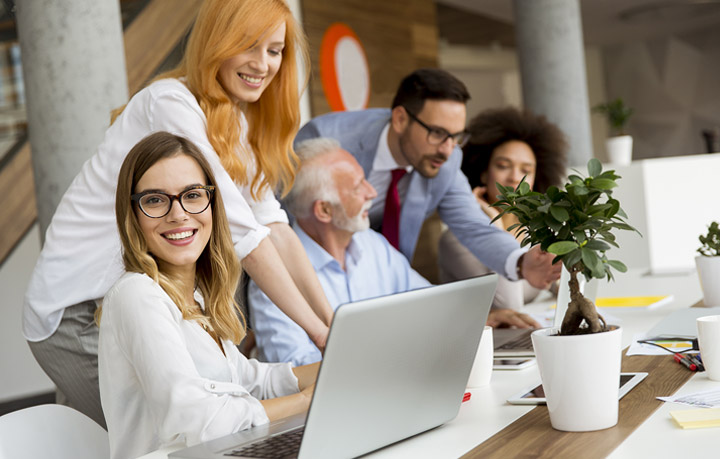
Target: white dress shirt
[81,258]
[165,381]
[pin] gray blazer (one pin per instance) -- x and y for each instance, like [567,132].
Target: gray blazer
[449,192]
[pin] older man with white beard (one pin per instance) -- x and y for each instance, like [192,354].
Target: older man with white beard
[330,201]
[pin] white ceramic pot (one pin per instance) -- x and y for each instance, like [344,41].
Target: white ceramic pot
[709,274]
[580,375]
[619,150]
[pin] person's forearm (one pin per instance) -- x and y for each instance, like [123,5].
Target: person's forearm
[282,407]
[306,374]
[298,265]
[267,269]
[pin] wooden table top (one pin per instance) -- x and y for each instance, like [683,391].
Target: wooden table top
[533,436]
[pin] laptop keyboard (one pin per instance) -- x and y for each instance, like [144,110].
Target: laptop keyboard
[521,342]
[286,444]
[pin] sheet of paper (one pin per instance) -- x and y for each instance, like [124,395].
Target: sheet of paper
[648,349]
[705,399]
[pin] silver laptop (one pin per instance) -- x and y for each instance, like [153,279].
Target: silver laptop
[516,342]
[394,366]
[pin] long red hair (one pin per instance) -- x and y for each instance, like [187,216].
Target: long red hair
[226,28]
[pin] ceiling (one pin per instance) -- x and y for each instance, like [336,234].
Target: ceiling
[605,22]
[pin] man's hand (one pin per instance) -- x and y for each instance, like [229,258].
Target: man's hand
[320,338]
[510,318]
[537,268]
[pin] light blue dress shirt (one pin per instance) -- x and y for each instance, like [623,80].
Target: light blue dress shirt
[373,268]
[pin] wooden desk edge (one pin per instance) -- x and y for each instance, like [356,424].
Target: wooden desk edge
[532,435]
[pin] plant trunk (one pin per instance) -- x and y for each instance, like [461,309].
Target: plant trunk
[579,309]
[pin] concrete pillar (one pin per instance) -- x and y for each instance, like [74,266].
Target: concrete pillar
[552,68]
[74,72]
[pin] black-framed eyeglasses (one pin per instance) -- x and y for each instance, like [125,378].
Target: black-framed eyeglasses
[157,204]
[438,136]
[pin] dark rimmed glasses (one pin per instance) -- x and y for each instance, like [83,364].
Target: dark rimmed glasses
[157,204]
[438,135]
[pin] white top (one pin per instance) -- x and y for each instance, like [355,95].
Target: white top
[164,380]
[81,258]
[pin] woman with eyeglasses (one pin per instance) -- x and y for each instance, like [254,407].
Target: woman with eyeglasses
[170,372]
[506,145]
[234,95]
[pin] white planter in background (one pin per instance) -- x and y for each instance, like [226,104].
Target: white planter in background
[709,274]
[619,150]
[580,375]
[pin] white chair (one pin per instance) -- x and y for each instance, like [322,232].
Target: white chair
[51,432]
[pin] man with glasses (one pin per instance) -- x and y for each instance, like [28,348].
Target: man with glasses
[411,155]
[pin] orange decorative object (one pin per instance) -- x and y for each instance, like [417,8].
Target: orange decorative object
[343,69]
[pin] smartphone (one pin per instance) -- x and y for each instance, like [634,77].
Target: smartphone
[513,364]
[536,396]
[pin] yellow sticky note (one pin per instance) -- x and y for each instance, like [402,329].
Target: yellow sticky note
[632,301]
[695,419]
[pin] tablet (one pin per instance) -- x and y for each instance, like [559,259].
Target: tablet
[536,396]
[513,364]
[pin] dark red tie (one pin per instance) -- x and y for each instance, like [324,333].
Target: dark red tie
[391,216]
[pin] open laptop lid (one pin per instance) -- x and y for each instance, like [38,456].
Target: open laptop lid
[395,366]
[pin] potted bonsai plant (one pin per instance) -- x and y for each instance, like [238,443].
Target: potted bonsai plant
[580,362]
[619,145]
[708,265]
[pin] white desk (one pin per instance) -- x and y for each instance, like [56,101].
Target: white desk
[487,412]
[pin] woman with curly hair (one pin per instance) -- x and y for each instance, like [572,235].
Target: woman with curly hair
[506,145]
[235,95]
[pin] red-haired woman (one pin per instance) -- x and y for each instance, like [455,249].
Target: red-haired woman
[234,95]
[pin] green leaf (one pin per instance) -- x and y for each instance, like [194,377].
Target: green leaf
[590,259]
[571,258]
[551,223]
[598,209]
[562,247]
[614,207]
[603,184]
[564,233]
[580,190]
[524,187]
[618,265]
[594,167]
[559,213]
[544,208]
[579,236]
[597,245]
[552,192]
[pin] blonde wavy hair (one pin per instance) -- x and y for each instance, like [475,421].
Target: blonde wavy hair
[226,28]
[217,269]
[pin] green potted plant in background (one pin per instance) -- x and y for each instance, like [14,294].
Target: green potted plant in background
[619,144]
[579,362]
[708,265]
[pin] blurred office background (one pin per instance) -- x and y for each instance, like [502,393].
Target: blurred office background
[661,57]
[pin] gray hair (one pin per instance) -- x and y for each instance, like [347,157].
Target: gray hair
[313,182]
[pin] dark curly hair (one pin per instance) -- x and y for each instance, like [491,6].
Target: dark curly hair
[494,127]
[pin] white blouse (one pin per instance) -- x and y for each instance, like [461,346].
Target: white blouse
[164,380]
[81,258]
